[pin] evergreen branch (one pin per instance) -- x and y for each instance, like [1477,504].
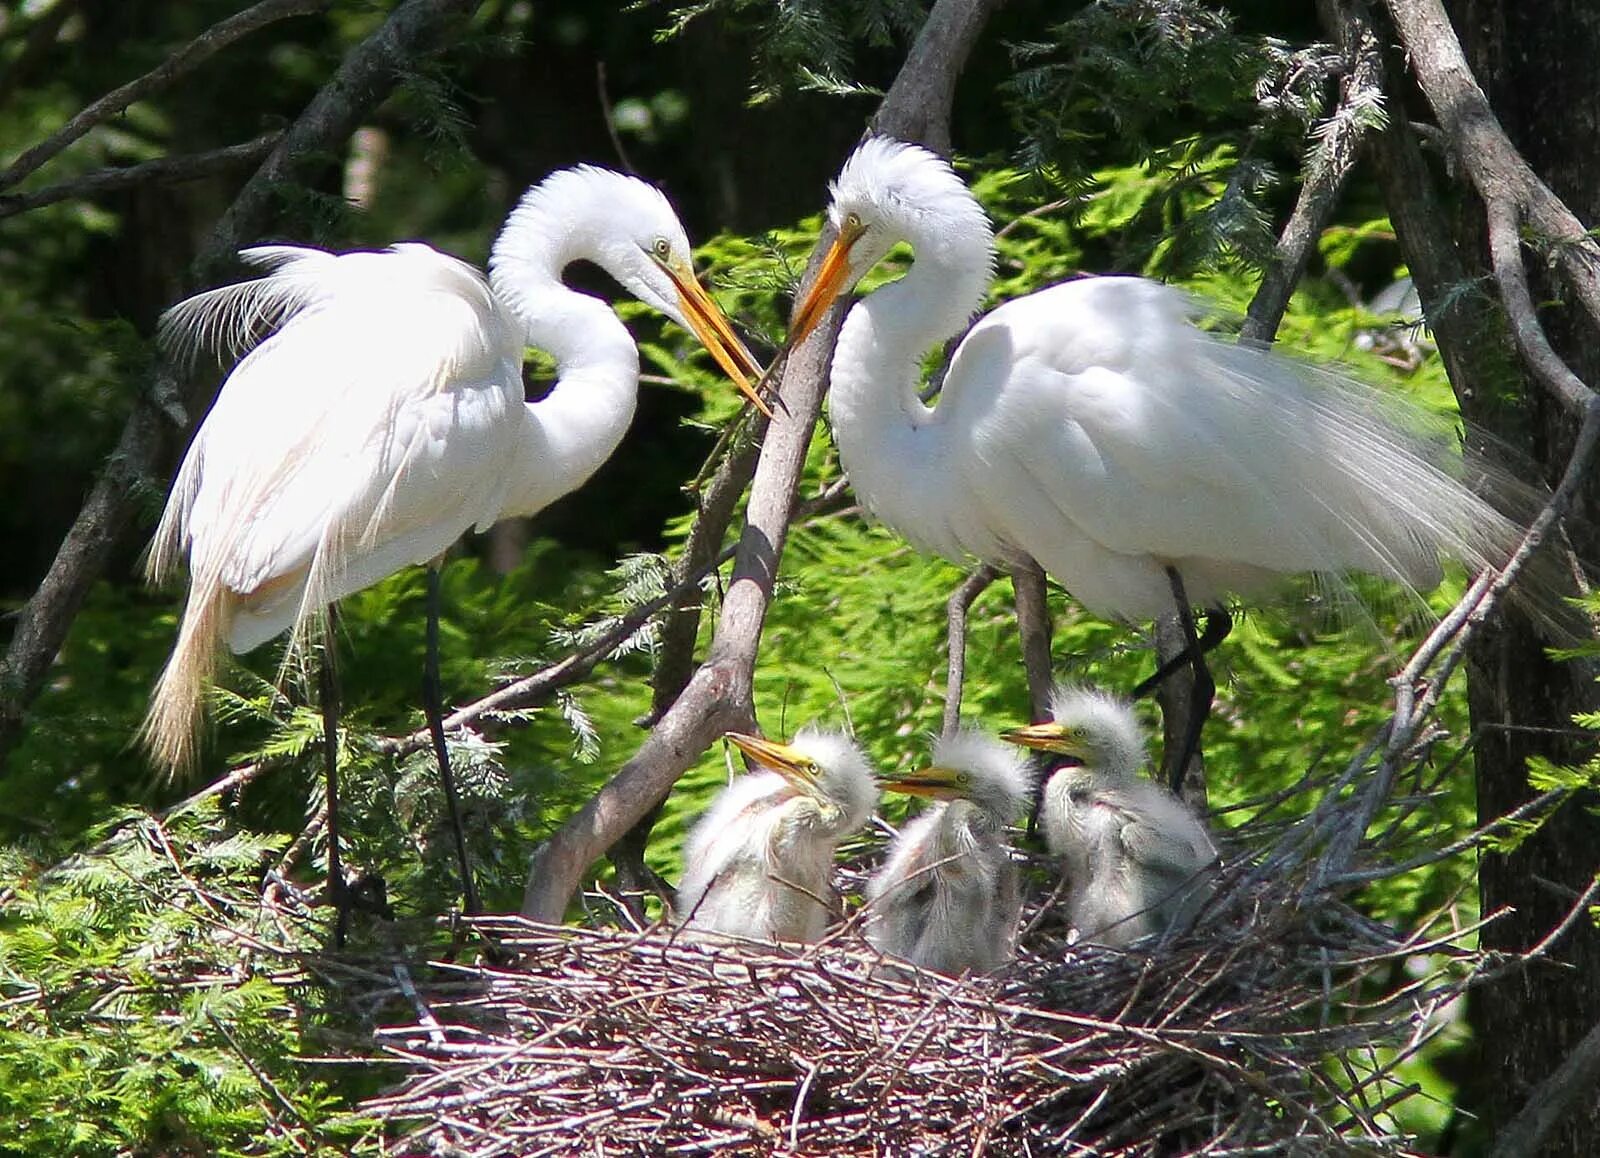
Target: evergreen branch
[162,171]
[210,42]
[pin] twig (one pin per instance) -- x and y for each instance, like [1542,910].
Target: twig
[186,59]
[162,171]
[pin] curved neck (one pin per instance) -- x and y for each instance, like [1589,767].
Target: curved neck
[893,447]
[578,424]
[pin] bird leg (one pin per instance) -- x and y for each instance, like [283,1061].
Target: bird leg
[338,889]
[1218,626]
[432,706]
[1201,692]
[1033,623]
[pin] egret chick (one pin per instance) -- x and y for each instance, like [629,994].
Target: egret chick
[759,864]
[947,897]
[1134,858]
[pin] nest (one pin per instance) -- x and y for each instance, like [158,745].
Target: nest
[1238,1038]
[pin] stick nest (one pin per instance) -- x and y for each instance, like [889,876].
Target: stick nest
[1241,1037]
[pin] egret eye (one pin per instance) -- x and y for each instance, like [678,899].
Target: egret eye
[852,223]
[662,248]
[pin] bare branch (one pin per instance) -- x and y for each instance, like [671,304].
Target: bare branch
[210,42]
[961,600]
[1551,1099]
[162,171]
[718,695]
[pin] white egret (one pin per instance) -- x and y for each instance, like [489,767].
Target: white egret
[947,897]
[1134,858]
[759,864]
[384,416]
[1091,428]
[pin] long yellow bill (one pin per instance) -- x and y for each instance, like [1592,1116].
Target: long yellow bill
[830,283]
[781,758]
[711,326]
[1050,737]
[935,782]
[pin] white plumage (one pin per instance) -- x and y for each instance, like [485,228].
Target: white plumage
[759,864]
[947,897]
[1135,860]
[384,414]
[1090,427]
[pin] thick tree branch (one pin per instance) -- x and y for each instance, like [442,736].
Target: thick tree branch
[366,75]
[210,42]
[718,696]
[1575,1079]
[162,171]
[1498,172]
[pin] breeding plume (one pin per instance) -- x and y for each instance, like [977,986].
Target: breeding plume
[1091,428]
[759,864]
[1134,858]
[384,415]
[947,897]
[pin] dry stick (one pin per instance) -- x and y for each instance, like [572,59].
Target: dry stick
[186,59]
[162,171]
[366,75]
[718,696]
[960,602]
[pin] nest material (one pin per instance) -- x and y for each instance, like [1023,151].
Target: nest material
[609,1042]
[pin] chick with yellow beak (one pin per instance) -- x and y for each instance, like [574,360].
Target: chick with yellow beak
[759,864]
[947,897]
[1135,860]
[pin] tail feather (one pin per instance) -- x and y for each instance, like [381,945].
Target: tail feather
[171,729]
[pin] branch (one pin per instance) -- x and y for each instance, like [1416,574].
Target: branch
[1327,171]
[960,602]
[162,171]
[365,76]
[210,42]
[36,45]
[1551,1099]
[1497,170]
[718,696]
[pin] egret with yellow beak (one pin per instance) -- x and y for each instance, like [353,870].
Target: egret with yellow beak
[1135,860]
[947,898]
[759,864]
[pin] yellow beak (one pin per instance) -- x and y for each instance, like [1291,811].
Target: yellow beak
[1050,737]
[716,334]
[781,758]
[935,782]
[830,283]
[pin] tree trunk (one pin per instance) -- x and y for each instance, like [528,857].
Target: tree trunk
[1536,63]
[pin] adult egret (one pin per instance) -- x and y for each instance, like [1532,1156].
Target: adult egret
[1091,428]
[759,864]
[384,416]
[947,897]
[1135,859]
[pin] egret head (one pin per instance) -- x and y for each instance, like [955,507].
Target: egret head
[888,192]
[628,229]
[972,765]
[826,766]
[1090,728]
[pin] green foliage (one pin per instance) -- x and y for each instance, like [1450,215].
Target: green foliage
[149,1005]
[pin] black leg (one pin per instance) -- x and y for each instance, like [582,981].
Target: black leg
[338,890]
[433,708]
[1205,688]
[1218,625]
